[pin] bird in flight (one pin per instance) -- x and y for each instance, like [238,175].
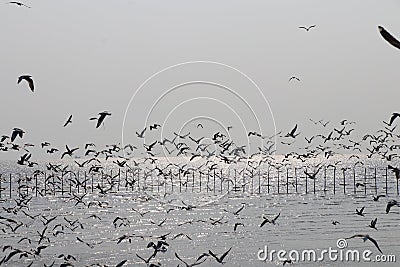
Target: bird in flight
[365,238]
[100,119]
[388,37]
[141,134]
[294,78]
[16,132]
[27,78]
[19,4]
[68,121]
[392,118]
[292,132]
[307,28]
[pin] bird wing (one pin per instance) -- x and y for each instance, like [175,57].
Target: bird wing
[388,37]
[176,255]
[375,243]
[30,82]
[277,216]
[224,255]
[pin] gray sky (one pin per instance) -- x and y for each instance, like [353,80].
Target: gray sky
[90,56]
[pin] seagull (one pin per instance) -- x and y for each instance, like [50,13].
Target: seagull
[27,78]
[16,132]
[390,204]
[273,221]
[219,259]
[199,125]
[292,132]
[154,126]
[294,78]
[68,121]
[392,118]
[141,134]
[360,212]
[388,37]
[365,238]
[373,223]
[100,119]
[69,151]
[19,4]
[307,28]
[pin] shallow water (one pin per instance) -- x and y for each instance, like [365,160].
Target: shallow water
[305,222]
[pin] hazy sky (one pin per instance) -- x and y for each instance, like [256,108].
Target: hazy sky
[90,56]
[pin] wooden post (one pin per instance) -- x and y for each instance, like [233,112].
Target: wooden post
[10,185]
[36,184]
[221,178]
[208,179]
[386,180]
[252,181]
[295,176]
[214,181]
[268,179]
[324,179]
[193,181]
[92,182]
[180,181]
[62,185]
[376,185]
[259,182]
[244,182]
[119,178]
[334,180]
[354,180]
[344,181]
[78,182]
[85,182]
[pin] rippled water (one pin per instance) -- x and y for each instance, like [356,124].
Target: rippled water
[305,222]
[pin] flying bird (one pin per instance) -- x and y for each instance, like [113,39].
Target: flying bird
[294,78]
[68,121]
[141,134]
[100,119]
[16,132]
[292,133]
[365,238]
[388,37]
[307,28]
[19,4]
[27,78]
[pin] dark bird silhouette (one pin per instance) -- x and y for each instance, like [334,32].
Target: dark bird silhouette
[197,262]
[307,28]
[219,259]
[365,238]
[390,204]
[29,79]
[16,132]
[69,151]
[373,223]
[292,133]
[141,134]
[68,121]
[294,78]
[388,37]
[236,226]
[100,119]
[273,221]
[395,170]
[19,4]
[360,212]
[154,126]
[199,125]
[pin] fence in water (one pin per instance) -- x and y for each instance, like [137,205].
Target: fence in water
[329,180]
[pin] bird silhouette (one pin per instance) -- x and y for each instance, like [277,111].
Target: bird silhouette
[19,4]
[388,37]
[307,28]
[365,238]
[68,121]
[29,79]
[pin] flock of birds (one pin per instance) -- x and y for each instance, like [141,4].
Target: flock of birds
[214,151]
